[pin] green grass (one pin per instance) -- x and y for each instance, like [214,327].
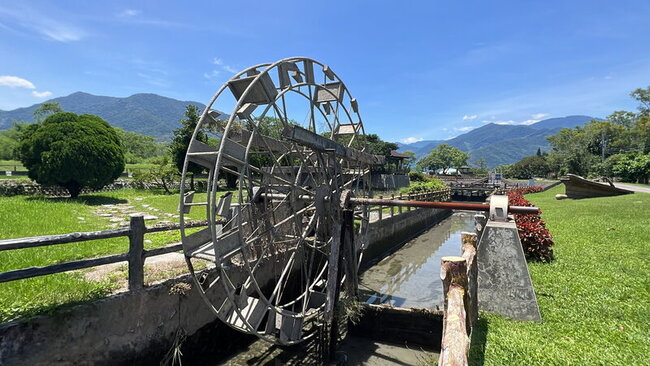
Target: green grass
[23,216]
[594,298]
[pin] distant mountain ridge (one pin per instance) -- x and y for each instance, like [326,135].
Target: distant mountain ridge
[501,144]
[148,114]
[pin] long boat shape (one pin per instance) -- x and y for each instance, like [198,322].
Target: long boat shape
[579,187]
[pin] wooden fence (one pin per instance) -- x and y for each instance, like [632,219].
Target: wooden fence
[459,280]
[135,256]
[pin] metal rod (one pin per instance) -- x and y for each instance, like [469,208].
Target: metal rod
[524,210]
[446,205]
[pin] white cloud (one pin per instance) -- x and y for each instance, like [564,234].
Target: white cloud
[508,122]
[217,61]
[410,140]
[16,82]
[44,94]
[539,115]
[229,69]
[464,128]
[212,74]
[529,121]
[49,25]
[129,13]
[469,118]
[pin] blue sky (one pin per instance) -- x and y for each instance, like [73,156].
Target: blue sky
[420,70]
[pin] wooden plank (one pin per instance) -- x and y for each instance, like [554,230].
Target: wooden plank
[197,239]
[61,267]
[320,143]
[329,92]
[223,206]
[39,241]
[262,92]
[290,327]
[227,243]
[346,129]
[164,250]
[253,312]
[177,226]
[136,253]
[206,155]
[260,142]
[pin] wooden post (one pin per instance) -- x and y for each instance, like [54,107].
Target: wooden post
[454,350]
[136,253]
[380,208]
[399,210]
[392,208]
[468,246]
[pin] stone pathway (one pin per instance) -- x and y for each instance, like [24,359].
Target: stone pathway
[119,214]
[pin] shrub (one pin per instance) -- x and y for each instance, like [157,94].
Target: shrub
[431,184]
[535,238]
[417,177]
[72,151]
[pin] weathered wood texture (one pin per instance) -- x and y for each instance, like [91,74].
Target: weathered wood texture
[136,252]
[20,274]
[136,255]
[469,242]
[454,348]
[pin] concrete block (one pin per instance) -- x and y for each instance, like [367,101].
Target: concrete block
[504,284]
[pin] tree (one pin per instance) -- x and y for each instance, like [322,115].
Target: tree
[409,163]
[72,151]
[182,138]
[163,173]
[444,157]
[139,147]
[529,167]
[643,97]
[481,167]
[46,109]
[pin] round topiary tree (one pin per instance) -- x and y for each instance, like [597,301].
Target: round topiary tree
[72,151]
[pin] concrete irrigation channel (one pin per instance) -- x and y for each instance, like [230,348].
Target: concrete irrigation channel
[140,327]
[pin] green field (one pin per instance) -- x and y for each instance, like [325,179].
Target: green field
[23,216]
[594,298]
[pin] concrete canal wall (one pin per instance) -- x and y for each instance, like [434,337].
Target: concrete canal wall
[139,327]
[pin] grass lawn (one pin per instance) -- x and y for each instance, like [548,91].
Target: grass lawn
[594,298]
[23,216]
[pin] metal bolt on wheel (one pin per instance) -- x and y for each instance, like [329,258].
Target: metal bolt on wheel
[293,141]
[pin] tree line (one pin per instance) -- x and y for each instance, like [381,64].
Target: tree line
[618,146]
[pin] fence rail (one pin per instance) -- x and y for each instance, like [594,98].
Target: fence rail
[136,253]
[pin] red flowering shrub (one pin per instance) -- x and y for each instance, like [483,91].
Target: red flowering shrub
[535,237]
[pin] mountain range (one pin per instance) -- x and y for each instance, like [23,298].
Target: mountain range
[501,144]
[148,114]
[159,116]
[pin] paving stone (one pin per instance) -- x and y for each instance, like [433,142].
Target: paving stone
[151,217]
[116,219]
[105,215]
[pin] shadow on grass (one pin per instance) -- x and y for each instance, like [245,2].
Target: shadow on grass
[87,200]
[479,338]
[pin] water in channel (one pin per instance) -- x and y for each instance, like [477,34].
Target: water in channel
[410,277]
